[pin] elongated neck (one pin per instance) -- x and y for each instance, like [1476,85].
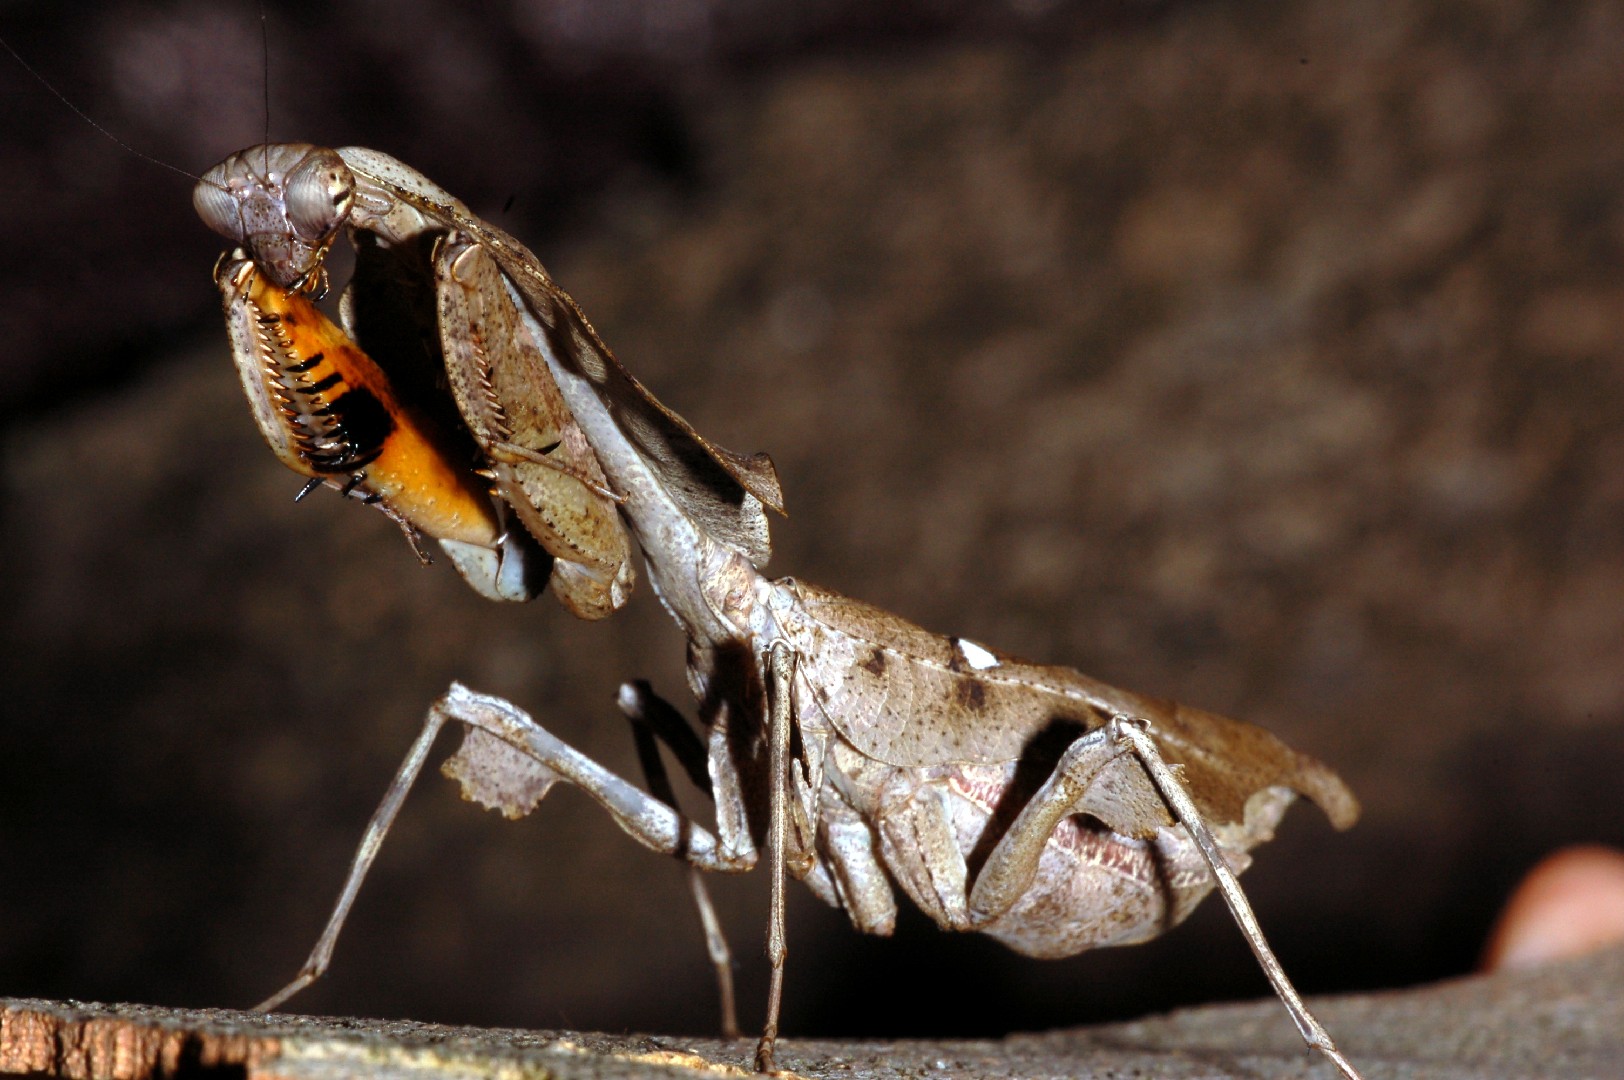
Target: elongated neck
[692,572]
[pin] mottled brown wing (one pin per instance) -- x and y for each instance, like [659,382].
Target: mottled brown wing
[911,698]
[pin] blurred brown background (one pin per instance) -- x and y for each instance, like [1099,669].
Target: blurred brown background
[1265,355]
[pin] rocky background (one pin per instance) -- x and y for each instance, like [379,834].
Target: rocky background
[1265,355]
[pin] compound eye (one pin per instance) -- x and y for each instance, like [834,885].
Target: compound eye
[219,209]
[318,195]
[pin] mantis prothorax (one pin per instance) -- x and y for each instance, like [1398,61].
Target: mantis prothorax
[865,754]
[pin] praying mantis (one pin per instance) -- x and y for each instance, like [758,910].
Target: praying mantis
[860,753]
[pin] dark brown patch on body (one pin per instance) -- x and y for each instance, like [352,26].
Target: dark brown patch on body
[971,694]
[875,664]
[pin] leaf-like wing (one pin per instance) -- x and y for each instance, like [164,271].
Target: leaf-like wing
[911,698]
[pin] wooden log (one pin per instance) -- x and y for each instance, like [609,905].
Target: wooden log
[1559,1021]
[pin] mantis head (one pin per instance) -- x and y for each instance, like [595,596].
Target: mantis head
[284,202]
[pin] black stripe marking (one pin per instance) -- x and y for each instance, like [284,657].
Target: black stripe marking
[321,386]
[361,425]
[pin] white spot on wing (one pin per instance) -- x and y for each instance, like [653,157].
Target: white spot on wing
[976,655]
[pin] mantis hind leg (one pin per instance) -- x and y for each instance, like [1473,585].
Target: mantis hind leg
[1012,865]
[1134,734]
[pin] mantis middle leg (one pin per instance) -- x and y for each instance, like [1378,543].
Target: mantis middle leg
[654,721]
[515,784]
